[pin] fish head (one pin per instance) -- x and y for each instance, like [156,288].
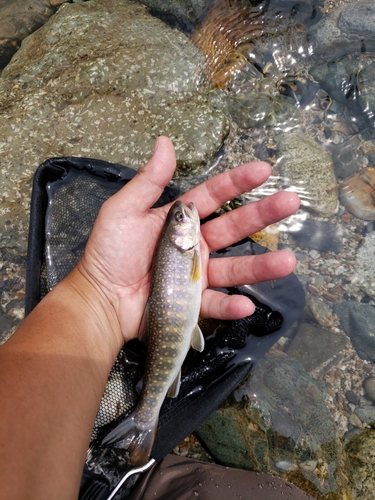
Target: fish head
[183,226]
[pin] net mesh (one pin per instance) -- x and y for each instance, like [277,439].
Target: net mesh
[74,201]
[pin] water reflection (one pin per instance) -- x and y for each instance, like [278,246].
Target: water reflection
[316,117]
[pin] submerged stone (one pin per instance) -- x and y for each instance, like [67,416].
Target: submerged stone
[346,30]
[317,235]
[313,345]
[19,18]
[360,464]
[182,13]
[366,89]
[277,417]
[364,277]
[307,166]
[358,320]
[78,87]
[357,194]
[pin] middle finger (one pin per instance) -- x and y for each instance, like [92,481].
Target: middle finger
[249,219]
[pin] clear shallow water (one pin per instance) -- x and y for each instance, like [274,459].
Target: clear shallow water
[311,116]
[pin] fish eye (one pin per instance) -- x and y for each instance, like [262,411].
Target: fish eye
[178,216]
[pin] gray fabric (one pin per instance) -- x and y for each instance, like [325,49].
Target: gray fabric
[179,478]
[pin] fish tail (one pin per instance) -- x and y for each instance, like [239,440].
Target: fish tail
[135,439]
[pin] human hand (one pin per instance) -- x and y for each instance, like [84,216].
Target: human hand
[118,255]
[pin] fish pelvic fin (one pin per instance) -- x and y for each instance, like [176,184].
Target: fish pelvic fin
[136,440]
[197,339]
[175,387]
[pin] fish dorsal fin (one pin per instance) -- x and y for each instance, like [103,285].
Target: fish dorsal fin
[142,330]
[197,339]
[195,273]
[175,387]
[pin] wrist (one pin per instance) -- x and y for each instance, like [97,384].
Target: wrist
[94,312]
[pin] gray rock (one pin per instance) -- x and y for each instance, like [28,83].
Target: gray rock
[369,387]
[78,87]
[307,166]
[313,345]
[366,88]
[366,414]
[358,322]
[318,235]
[338,77]
[364,277]
[183,13]
[347,29]
[19,18]
[344,159]
[277,417]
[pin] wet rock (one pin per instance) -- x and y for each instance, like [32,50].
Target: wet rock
[358,320]
[366,414]
[366,88]
[347,29]
[364,277]
[277,417]
[319,310]
[181,13]
[338,78]
[307,166]
[352,397]
[249,109]
[357,194]
[349,81]
[344,159]
[313,345]
[19,18]
[369,387]
[57,3]
[78,87]
[318,235]
[361,463]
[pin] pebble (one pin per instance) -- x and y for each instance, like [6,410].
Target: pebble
[354,420]
[357,194]
[352,397]
[369,387]
[319,310]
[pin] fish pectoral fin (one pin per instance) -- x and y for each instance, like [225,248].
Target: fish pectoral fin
[197,339]
[195,272]
[175,387]
[143,326]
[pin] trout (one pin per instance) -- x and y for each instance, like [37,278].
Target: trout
[170,321]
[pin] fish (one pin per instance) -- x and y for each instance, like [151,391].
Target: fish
[170,322]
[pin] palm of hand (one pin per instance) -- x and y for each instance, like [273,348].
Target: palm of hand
[120,255]
[119,252]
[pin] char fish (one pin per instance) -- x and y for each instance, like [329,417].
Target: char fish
[171,324]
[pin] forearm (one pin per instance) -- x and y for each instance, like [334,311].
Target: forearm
[53,372]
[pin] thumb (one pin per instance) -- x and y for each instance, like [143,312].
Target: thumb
[146,187]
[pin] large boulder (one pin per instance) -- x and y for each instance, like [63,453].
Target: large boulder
[101,79]
[347,29]
[19,18]
[277,422]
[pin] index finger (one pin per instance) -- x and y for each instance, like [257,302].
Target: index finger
[213,193]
